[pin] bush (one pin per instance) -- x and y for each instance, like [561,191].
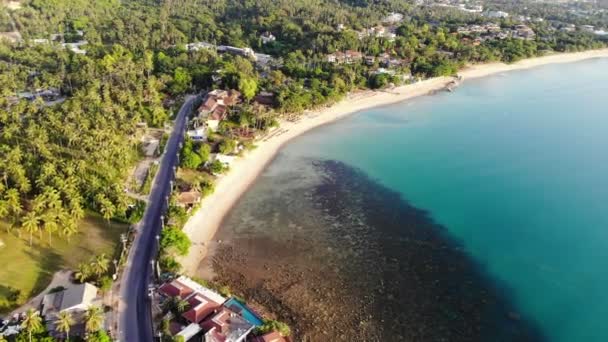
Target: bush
[174,239]
[134,214]
[147,185]
[169,264]
[272,325]
[105,283]
[207,187]
[202,282]
[217,167]
[190,158]
[228,146]
[99,336]
[225,291]
[163,142]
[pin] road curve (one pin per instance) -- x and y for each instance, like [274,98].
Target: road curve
[134,313]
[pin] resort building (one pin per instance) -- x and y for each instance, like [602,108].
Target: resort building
[267,37]
[497,14]
[76,47]
[523,32]
[200,46]
[393,18]
[226,326]
[244,52]
[346,57]
[181,287]
[201,306]
[210,317]
[215,106]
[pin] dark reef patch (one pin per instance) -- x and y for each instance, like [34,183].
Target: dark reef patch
[349,260]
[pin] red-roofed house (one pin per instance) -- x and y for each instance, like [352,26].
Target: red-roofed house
[215,117]
[175,288]
[200,307]
[232,97]
[208,105]
[226,326]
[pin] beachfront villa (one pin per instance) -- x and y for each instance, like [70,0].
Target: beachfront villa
[215,106]
[210,316]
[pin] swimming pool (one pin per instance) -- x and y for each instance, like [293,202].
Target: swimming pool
[245,312]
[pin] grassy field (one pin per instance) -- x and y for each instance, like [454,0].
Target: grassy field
[30,269]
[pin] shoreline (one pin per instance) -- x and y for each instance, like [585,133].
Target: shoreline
[204,223]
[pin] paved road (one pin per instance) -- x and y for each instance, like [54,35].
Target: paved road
[135,315]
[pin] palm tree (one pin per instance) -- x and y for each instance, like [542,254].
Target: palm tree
[100,264]
[31,322]
[83,273]
[68,228]
[93,319]
[30,224]
[50,224]
[181,305]
[106,207]
[76,212]
[3,209]
[64,322]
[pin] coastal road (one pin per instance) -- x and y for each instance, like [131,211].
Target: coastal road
[135,314]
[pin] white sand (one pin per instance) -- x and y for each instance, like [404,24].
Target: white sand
[201,227]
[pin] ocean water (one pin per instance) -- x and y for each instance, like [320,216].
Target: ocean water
[515,166]
[500,189]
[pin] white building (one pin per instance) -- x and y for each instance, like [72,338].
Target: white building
[226,160]
[200,46]
[75,47]
[74,298]
[268,37]
[497,14]
[393,18]
[198,134]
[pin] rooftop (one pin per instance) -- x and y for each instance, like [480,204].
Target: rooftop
[176,288]
[196,287]
[226,326]
[200,307]
[78,296]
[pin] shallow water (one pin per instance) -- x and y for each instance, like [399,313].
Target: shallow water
[475,215]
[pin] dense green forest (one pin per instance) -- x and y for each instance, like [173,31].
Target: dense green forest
[62,159]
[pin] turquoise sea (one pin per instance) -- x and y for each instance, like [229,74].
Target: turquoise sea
[513,167]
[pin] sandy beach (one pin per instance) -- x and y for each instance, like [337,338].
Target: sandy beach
[201,227]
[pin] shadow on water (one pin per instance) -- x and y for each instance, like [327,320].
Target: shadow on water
[426,287]
[344,258]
